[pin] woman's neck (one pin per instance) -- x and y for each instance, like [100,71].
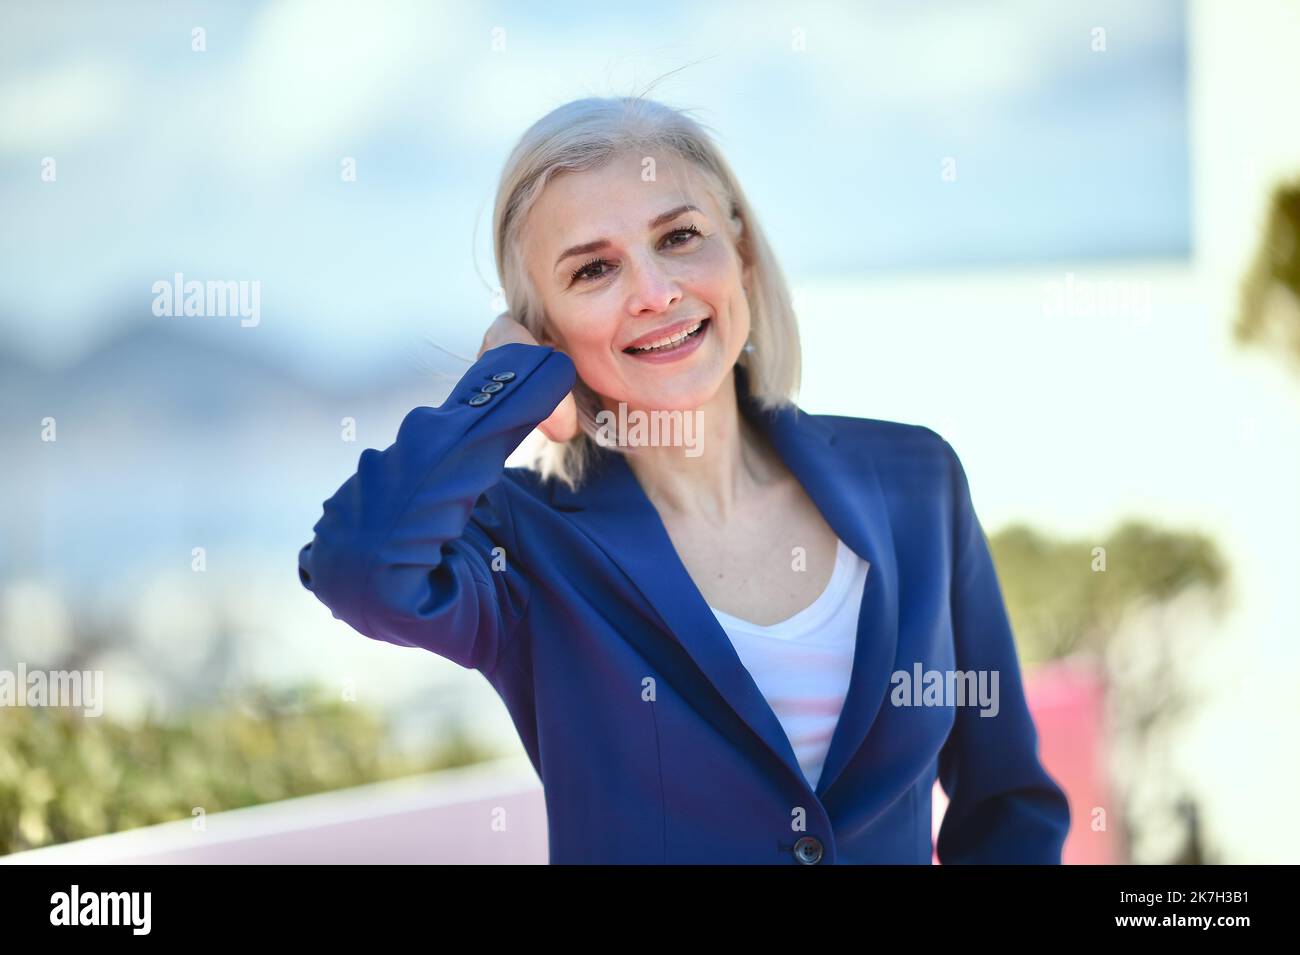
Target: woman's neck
[736,461]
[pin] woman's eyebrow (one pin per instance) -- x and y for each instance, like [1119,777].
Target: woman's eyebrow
[601,243]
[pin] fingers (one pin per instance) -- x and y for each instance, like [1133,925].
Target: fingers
[503,330]
[562,425]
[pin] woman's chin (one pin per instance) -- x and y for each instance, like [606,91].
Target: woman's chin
[678,395]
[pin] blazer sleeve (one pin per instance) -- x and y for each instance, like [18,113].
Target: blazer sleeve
[404,551]
[1003,806]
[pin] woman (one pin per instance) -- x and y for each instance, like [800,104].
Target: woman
[726,631]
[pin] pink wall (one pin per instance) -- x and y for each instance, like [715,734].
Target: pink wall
[1066,700]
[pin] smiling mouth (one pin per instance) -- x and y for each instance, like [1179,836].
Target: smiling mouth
[671,342]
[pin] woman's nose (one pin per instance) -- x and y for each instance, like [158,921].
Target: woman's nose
[653,288]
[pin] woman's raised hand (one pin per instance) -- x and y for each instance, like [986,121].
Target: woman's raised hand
[563,422]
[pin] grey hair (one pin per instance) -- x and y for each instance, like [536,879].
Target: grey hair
[586,134]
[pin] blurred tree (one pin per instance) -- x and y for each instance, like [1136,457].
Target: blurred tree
[65,776]
[1067,597]
[1269,313]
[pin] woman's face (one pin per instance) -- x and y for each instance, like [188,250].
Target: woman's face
[619,265]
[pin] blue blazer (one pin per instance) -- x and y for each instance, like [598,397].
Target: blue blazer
[652,741]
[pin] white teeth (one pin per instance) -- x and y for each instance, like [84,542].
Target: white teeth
[671,339]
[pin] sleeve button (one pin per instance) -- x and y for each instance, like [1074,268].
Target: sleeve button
[492,387]
[480,399]
[504,376]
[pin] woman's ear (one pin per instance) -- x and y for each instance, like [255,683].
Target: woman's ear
[736,224]
[740,240]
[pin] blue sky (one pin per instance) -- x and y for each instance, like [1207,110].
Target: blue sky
[225,163]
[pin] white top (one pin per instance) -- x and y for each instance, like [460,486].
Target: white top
[803,664]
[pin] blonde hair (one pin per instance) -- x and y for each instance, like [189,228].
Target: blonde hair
[586,134]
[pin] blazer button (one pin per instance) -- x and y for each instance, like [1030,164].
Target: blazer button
[504,376]
[492,387]
[808,850]
[480,399]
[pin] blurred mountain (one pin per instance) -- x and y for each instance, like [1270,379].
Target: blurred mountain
[170,436]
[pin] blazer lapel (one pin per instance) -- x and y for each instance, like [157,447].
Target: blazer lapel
[615,513]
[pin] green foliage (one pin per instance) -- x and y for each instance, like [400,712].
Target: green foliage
[1062,599]
[1269,309]
[66,776]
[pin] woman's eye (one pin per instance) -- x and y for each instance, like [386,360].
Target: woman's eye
[688,232]
[584,272]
